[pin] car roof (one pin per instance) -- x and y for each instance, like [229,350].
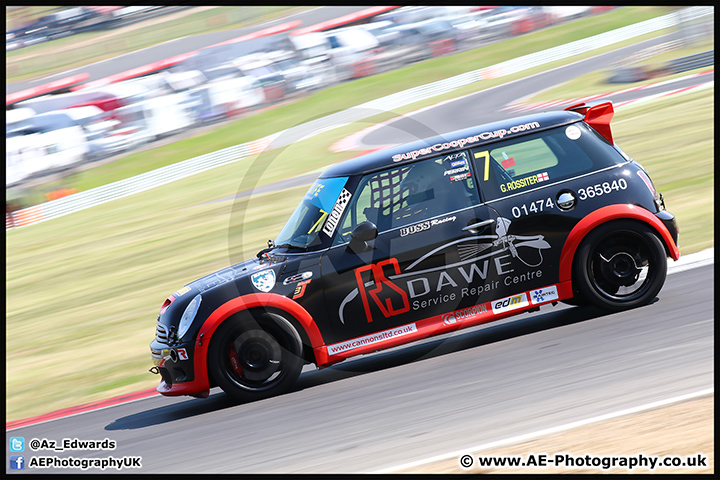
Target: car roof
[449,142]
[18,114]
[79,113]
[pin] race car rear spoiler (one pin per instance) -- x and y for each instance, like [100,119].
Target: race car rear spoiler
[597,116]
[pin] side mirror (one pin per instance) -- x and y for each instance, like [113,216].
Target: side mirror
[362,234]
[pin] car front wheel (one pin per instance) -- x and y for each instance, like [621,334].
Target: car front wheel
[254,358]
[620,265]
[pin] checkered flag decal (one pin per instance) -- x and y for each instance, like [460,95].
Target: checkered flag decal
[336,212]
[344,197]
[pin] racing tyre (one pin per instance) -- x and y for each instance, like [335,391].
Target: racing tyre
[620,265]
[254,358]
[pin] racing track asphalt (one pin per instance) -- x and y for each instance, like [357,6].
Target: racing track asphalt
[515,376]
[518,375]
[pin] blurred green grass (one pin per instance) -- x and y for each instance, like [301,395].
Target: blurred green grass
[673,139]
[83,290]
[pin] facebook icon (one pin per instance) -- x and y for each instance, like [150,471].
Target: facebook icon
[17,462]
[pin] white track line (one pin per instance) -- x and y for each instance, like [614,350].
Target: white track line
[693,260]
[548,431]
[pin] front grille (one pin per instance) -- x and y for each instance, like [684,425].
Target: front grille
[165,334]
[162,333]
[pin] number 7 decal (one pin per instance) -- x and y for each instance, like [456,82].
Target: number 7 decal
[486,155]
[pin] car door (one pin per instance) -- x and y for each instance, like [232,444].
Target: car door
[421,211]
[523,178]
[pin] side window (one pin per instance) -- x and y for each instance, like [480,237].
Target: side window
[520,164]
[410,193]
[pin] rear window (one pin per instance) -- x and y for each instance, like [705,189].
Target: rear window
[531,161]
[333,42]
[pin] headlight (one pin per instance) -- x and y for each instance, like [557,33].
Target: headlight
[188,316]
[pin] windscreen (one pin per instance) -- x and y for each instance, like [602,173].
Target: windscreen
[304,226]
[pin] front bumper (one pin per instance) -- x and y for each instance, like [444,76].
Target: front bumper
[176,367]
[181,389]
[668,219]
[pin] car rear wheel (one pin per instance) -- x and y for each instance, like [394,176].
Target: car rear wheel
[254,358]
[620,265]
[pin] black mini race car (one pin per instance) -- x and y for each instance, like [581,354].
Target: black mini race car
[423,239]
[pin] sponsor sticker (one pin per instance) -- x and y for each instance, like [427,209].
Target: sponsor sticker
[573,132]
[419,227]
[464,314]
[300,289]
[456,159]
[182,354]
[467,141]
[508,162]
[336,213]
[543,295]
[264,281]
[315,190]
[453,171]
[426,225]
[442,220]
[181,292]
[385,293]
[461,177]
[378,337]
[512,302]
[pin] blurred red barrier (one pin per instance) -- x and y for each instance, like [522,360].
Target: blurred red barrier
[442,47]
[363,68]
[63,192]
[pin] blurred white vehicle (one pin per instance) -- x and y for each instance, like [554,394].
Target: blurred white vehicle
[16,116]
[107,97]
[99,130]
[313,50]
[299,75]
[561,14]
[260,66]
[155,118]
[16,147]
[223,99]
[185,80]
[42,143]
[352,51]
[154,85]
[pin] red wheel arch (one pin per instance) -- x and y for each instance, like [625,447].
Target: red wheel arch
[606,214]
[231,307]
